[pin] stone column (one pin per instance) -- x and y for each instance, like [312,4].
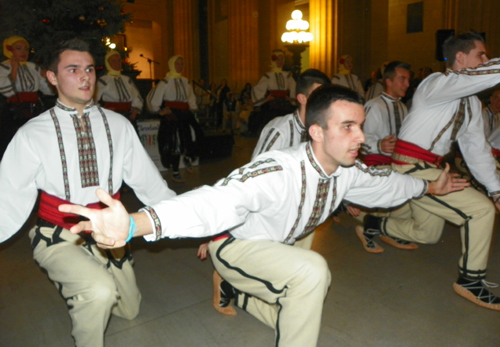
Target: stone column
[243,43]
[185,36]
[324,27]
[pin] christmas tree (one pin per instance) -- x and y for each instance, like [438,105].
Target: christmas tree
[44,23]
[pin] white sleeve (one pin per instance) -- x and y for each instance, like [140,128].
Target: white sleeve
[137,101]
[440,88]
[211,210]
[477,154]
[6,85]
[17,184]
[374,128]
[359,87]
[383,188]
[259,91]
[270,138]
[155,97]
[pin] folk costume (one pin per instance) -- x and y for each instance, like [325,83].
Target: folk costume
[281,132]
[491,121]
[265,205]
[384,116]
[278,83]
[378,87]
[118,92]
[174,136]
[67,161]
[346,79]
[22,100]
[443,112]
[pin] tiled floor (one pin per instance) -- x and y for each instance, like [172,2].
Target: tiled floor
[396,298]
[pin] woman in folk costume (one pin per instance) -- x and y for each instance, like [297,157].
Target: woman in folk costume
[345,78]
[275,91]
[173,99]
[20,81]
[118,92]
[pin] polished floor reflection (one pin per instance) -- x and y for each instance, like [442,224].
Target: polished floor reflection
[397,298]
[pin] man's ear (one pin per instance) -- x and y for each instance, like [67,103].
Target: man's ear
[316,133]
[302,99]
[51,76]
[459,58]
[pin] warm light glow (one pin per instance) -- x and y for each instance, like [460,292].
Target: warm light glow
[112,46]
[296,29]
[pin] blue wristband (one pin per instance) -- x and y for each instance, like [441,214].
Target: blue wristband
[131,229]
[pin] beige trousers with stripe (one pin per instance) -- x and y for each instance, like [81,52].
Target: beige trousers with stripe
[94,282]
[282,286]
[422,220]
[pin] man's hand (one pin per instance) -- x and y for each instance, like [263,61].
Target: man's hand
[203,251]
[109,226]
[388,143]
[497,205]
[165,111]
[353,210]
[133,114]
[447,183]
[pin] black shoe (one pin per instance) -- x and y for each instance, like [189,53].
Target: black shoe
[176,177]
[188,164]
[476,292]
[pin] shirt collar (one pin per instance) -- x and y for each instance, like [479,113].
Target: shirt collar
[390,97]
[71,109]
[317,166]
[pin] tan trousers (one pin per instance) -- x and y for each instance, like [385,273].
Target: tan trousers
[94,283]
[422,221]
[282,286]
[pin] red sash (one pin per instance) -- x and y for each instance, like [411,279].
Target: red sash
[376,159]
[24,97]
[410,150]
[495,152]
[279,93]
[49,212]
[178,105]
[118,106]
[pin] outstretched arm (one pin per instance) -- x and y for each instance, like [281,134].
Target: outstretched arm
[447,182]
[110,226]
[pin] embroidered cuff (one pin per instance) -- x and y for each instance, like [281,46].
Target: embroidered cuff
[155,222]
[426,187]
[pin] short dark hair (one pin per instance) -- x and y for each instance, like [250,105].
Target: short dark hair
[321,99]
[308,78]
[462,42]
[68,45]
[390,70]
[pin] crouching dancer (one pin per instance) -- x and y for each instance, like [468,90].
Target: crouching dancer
[269,203]
[68,152]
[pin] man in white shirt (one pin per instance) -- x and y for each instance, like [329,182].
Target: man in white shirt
[445,110]
[267,204]
[384,116]
[67,153]
[491,114]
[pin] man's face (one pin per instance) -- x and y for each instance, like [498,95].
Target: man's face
[75,78]
[399,84]
[179,65]
[340,143]
[115,61]
[475,56]
[20,51]
[495,102]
